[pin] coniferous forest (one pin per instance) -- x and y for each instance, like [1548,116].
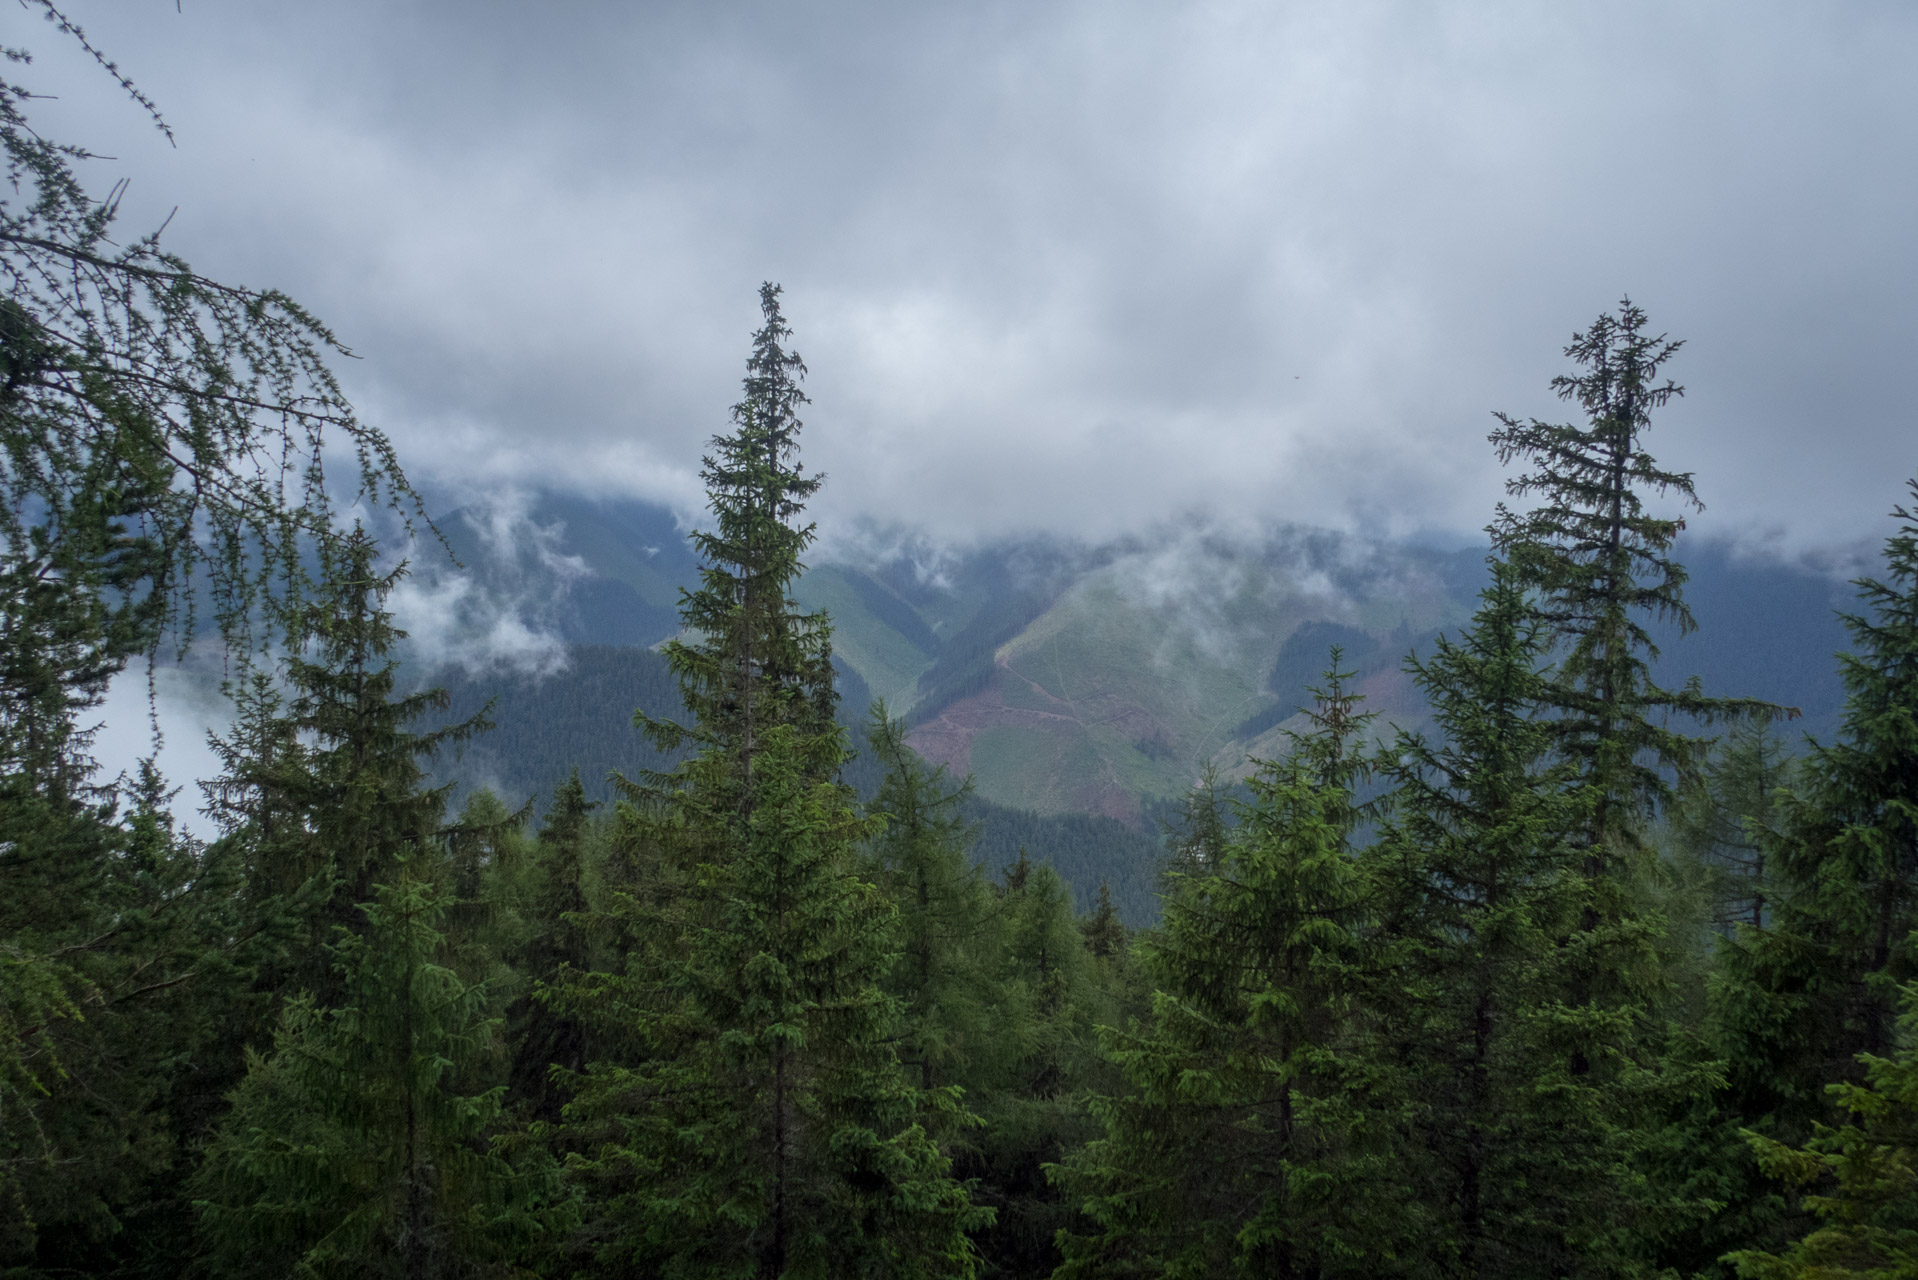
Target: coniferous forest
[1590,977]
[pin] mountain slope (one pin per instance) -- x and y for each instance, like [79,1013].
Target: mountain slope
[1099,680]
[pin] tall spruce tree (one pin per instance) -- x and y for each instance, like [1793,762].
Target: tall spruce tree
[323,786]
[756,660]
[1239,1143]
[1599,562]
[755,1120]
[357,1143]
[1518,1163]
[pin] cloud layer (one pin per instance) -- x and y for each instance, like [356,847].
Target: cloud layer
[1070,267]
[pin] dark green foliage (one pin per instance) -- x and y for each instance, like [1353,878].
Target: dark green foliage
[1105,936]
[767,1129]
[754,661]
[1239,1141]
[1518,1159]
[1201,827]
[357,1146]
[748,1115]
[106,920]
[558,944]
[111,1005]
[1861,1175]
[1797,1001]
[920,861]
[1726,818]
[1084,848]
[1599,560]
[321,798]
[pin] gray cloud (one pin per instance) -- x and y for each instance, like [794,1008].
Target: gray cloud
[1064,267]
[497,613]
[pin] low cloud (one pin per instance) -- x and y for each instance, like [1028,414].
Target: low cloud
[1072,268]
[499,612]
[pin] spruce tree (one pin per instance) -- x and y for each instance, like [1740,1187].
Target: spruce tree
[754,660]
[358,1145]
[749,1115]
[1239,1142]
[1799,999]
[1032,1095]
[943,978]
[1518,1162]
[1724,821]
[1599,562]
[557,945]
[1859,1177]
[323,785]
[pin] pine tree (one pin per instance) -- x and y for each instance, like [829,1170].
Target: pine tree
[1201,826]
[1239,1142]
[767,1129]
[1724,821]
[1032,1094]
[107,919]
[1597,562]
[357,1146]
[323,787]
[1104,934]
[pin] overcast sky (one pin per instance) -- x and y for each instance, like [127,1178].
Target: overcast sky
[1070,267]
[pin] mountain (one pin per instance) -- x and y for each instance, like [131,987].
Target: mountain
[1073,683]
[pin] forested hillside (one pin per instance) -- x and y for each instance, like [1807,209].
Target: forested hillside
[1102,680]
[1512,952]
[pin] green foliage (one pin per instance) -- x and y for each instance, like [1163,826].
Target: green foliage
[1241,1142]
[1599,560]
[323,786]
[943,977]
[1727,817]
[747,1113]
[767,1128]
[1518,1159]
[1796,1002]
[754,660]
[1869,1167]
[119,365]
[357,1146]
[557,944]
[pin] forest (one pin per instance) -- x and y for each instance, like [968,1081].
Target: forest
[1590,977]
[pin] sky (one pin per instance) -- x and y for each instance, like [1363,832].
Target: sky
[1065,267]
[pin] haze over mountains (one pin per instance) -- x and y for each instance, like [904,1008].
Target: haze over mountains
[1065,678]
